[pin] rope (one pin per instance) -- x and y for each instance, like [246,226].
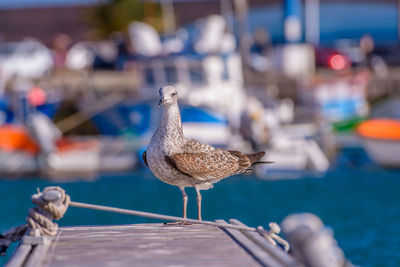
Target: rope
[158,216]
[52,203]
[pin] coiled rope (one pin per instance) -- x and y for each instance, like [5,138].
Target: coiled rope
[53,202]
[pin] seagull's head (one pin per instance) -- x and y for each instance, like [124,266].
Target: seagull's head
[168,95]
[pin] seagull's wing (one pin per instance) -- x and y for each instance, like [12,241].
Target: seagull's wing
[215,164]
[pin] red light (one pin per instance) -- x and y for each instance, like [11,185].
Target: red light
[337,62]
[36,96]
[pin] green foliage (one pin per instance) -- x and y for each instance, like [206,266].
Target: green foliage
[115,15]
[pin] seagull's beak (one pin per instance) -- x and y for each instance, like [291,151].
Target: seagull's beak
[162,100]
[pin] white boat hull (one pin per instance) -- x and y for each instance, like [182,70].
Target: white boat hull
[292,159]
[17,163]
[383,152]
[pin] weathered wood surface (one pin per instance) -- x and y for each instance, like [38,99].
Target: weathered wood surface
[150,245]
[146,245]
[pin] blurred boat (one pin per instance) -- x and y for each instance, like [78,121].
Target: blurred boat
[295,153]
[17,151]
[39,148]
[205,125]
[338,99]
[72,157]
[90,154]
[381,140]
[21,154]
[295,148]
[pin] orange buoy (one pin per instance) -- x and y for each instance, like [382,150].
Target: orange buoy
[384,129]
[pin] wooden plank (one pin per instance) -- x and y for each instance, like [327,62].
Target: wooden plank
[146,245]
[37,255]
[30,252]
[20,256]
[282,257]
[258,253]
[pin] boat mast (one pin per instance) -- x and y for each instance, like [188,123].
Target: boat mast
[168,16]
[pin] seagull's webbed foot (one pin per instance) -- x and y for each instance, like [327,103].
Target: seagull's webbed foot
[177,223]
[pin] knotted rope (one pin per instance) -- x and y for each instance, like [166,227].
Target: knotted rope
[52,203]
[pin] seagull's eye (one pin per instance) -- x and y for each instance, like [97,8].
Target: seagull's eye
[174,94]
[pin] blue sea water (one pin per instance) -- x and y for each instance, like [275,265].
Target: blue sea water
[361,205]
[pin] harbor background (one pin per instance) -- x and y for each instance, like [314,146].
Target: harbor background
[313,83]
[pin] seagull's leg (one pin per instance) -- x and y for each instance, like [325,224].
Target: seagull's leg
[198,202]
[185,200]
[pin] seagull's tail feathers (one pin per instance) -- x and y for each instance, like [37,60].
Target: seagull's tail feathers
[254,157]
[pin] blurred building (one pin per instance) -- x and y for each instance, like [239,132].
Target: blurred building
[44,23]
[188,11]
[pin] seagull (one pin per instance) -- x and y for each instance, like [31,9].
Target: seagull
[183,162]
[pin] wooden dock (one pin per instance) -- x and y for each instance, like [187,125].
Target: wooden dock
[151,245]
